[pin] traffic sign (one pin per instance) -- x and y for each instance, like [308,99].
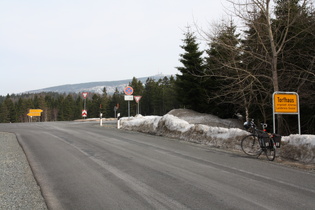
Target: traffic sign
[34,114]
[84,113]
[84,94]
[35,110]
[128,90]
[128,97]
[137,98]
[285,103]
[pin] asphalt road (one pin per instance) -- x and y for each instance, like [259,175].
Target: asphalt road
[85,166]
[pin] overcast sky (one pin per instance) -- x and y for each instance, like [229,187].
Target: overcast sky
[48,43]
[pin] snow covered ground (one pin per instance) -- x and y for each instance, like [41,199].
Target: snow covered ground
[210,130]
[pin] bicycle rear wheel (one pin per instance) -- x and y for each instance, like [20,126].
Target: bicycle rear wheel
[250,145]
[271,151]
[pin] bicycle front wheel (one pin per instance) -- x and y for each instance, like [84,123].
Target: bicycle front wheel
[250,145]
[271,151]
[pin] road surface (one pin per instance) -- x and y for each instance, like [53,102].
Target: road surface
[81,165]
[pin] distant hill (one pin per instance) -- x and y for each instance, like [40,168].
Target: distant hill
[95,87]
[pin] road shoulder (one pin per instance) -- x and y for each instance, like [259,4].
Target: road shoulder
[18,188]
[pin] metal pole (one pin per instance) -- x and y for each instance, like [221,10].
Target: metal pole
[273,112]
[299,123]
[84,106]
[128,109]
[274,123]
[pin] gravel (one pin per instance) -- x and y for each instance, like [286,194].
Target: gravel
[18,188]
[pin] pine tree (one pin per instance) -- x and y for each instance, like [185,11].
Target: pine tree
[94,106]
[68,108]
[148,100]
[226,89]
[189,83]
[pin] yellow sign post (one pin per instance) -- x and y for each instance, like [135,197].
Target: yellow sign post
[36,110]
[34,113]
[285,103]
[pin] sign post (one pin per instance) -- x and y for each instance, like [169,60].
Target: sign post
[128,97]
[137,99]
[101,119]
[34,113]
[115,109]
[84,94]
[285,103]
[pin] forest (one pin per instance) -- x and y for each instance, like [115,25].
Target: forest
[270,49]
[157,99]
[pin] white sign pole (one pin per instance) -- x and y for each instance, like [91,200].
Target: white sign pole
[101,119]
[118,121]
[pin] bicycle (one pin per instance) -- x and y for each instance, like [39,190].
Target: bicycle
[259,141]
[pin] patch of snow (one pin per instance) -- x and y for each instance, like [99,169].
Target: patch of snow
[300,140]
[175,124]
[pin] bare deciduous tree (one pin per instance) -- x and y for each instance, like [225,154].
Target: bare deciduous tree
[253,70]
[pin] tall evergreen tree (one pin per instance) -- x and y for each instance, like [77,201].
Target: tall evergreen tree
[189,83]
[148,101]
[226,88]
[68,106]
[168,98]
[94,106]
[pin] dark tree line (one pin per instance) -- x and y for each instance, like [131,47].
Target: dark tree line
[157,99]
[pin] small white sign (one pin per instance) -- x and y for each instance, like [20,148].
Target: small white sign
[128,97]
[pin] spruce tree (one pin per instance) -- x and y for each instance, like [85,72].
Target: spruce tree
[225,89]
[189,86]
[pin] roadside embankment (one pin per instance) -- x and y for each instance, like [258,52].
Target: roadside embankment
[18,188]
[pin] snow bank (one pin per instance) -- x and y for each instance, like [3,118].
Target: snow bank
[297,140]
[294,147]
[139,123]
[174,127]
[299,148]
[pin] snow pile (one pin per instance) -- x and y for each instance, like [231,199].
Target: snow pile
[297,140]
[213,131]
[139,123]
[206,119]
[174,127]
[298,147]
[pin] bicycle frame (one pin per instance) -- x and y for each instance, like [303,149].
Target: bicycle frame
[264,139]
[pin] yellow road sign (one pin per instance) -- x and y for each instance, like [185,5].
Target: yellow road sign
[34,114]
[35,110]
[286,103]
